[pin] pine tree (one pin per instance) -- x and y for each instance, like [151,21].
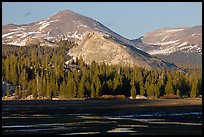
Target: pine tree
[81,88]
[44,87]
[194,89]
[52,87]
[150,91]
[93,91]
[74,88]
[56,89]
[142,89]
[163,77]
[81,62]
[17,92]
[156,90]
[98,89]
[110,86]
[70,90]
[23,80]
[30,86]
[39,85]
[62,89]
[7,69]
[133,92]
[200,86]
[146,87]
[97,83]
[116,83]
[161,87]
[48,93]
[178,93]
[7,90]
[87,88]
[3,70]
[34,89]
[13,72]
[169,90]
[132,82]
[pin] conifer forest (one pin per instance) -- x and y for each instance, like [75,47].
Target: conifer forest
[49,72]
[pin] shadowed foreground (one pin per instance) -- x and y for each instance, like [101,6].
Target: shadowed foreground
[131,117]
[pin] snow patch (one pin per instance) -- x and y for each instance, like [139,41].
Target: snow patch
[188,47]
[32,32]
[180,45]
[165,38]
[52,21]
[45,23]
[17,29]
[75,35]
[25,35]
[164,43]
[194,34]
[83,26]
[7,34]
[164,51]
[159,34]
[43,26]
[174,30]
[10,37]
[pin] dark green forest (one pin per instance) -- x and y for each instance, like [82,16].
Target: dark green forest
[41,71]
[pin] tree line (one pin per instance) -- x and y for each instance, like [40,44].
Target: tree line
[40,71]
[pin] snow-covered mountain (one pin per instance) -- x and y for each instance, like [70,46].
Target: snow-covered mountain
[96,42]
[62,25]
[184,43]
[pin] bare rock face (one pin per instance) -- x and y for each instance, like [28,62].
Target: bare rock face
[100,48]
[95,47]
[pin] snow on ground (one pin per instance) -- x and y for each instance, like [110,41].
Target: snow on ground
[182,44]
[45,23]
[18,29]
[174,30]
[10,33]
[189,47]
[168,50]
[165,37]
[165,51]
[75,35]
[83,26]
[164,43]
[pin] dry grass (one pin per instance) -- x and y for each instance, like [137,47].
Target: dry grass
[113,97]
[170,97]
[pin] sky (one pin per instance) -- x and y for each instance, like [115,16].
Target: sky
[129,19]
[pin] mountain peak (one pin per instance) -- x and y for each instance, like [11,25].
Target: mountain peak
[64,14]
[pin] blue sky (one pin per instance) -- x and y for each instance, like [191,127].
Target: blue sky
[129,19]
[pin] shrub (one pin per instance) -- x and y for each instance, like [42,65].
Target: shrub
[170,96]
[113,97]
